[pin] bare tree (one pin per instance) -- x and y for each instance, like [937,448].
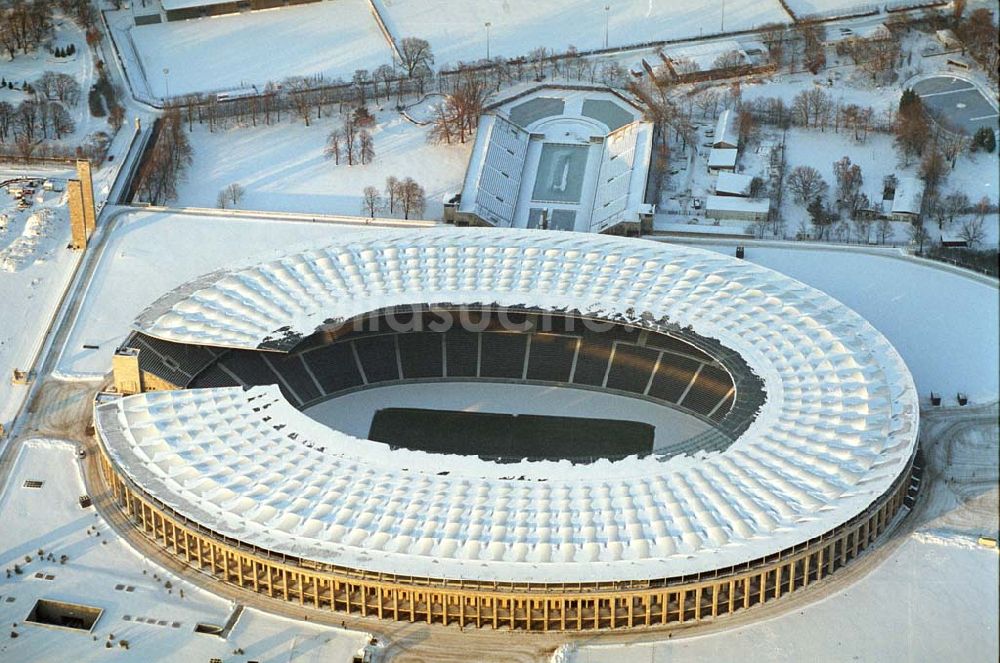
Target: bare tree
[232,194]
[973,232]
[729,61]
[458,115]
[371,201]
[952,205]
[333,146]
[918,235]
[849,181]
[806,183]
[416,54]
[412,198]
[708,103]
[392,192]
[366,147]
[933,169]
[167,160]
[349,132]
[298,90]
[538,57]
[59,119]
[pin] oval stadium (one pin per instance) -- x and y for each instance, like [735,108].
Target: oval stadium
[784,447]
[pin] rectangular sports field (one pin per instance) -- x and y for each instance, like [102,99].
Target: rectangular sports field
[510,436]
[561,169]
[456,29]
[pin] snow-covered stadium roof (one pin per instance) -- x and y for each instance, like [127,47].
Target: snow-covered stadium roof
[838,426]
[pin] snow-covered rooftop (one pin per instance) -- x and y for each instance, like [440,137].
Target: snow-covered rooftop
[171,5]
[909,196]
[576,154]
[726,134]
[734,184]
[722,157]
[838,426]
[737,204]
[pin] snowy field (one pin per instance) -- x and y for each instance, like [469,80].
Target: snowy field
[330,39]
[945,326]
[456,29]
[282,167]
[103,571]
[891,616]
[352,413]
[35,266]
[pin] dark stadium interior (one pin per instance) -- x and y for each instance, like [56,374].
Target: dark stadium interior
[678,369]
[511,437]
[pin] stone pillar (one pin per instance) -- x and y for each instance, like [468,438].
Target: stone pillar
[87,183]
[77,216]
[125,366]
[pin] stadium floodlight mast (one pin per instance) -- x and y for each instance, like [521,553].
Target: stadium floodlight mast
[607,14]
[488,24]
[166,81]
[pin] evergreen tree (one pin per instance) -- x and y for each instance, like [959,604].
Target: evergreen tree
[984,139]
[909,102]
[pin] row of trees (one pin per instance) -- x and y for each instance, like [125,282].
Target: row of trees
[57,87]
[352,142]
[979,34]
[457,116]
[404,196]
[166,161]
[33,120]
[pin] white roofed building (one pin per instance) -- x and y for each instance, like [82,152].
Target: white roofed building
[726,133]
[722,159]
[179,10]
[909,198]
[566,157]
[737,208]
[733,184]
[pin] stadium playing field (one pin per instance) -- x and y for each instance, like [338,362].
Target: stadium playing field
[561,169]
[510,436]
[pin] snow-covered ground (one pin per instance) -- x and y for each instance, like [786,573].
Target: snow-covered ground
[945,326]
[353,413]
[101,570]
[329,39]
[282,167]
[893,615]
[35,266]
[456,29]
